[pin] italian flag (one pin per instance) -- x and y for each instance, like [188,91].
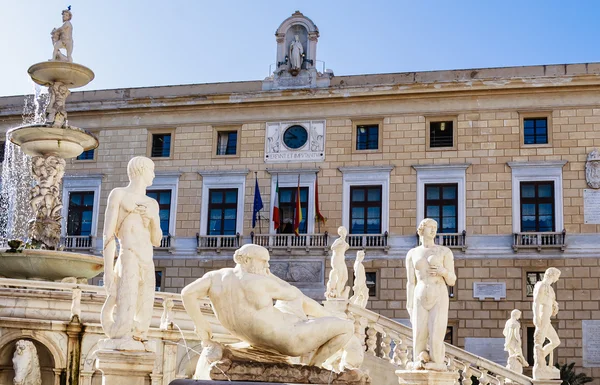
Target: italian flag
[276,215]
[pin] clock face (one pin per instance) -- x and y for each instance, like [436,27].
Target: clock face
[295,137]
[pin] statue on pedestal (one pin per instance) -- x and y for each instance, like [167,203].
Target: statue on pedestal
[512,343]
[242,299]
[62,37]
[296,54]
[26,364]
[132,218]
[430,268]
[545,307]
[338,276]
[361,291]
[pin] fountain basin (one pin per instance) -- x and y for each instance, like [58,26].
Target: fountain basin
[49,265]
[71,74]
[45,140]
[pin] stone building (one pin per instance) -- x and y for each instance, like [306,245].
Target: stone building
[496,155]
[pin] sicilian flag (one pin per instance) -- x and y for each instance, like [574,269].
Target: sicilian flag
[258,203]
[318,216]
[276,215]
[298,211]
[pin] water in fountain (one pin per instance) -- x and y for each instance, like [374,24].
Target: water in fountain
[16,180]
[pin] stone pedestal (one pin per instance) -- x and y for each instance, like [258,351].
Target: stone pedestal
[546,382]
[426,377]
[124,367]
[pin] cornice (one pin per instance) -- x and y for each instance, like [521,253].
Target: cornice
[441,167]
[288,171]
[213,173]
[537,164]
[365,169]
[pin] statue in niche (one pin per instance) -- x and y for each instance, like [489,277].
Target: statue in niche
[62,38]
[26,364]
[361,291]
[545,307]
[512,343]
[592,169]
[338,276]
[296,54]
[132,218]
[255,320]
[430,268]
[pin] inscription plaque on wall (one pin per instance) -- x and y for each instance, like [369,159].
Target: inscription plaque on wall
[591,343]
[490,348]
[293,142]
[495,290]
[591,206]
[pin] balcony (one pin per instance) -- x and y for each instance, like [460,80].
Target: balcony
[540,241]
[290,242]
[78,242]
[166,243]
[217,242]
[455,241]
[369,241]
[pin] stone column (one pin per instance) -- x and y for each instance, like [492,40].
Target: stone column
[426,377]
[85,378]
[57,373]
[124,367]
[169,357]
[73,351]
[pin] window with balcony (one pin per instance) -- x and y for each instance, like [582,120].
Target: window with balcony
[80,213]
[163,197]
[160,146]
[222,211]
[441,204]
[365,209]
[227,142]
[287,209]
[537,206]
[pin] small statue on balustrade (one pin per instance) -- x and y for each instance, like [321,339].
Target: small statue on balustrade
[361,291]
[512,343]
[338,276]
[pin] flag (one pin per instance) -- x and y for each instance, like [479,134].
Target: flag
[298,211]
[318,216]
[258,203]
[276,214]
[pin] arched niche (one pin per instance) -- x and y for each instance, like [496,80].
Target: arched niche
[48,357]
[308,34]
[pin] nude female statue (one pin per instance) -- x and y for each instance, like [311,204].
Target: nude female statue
[338,276]
[361,291]
[512,343]
[430,268]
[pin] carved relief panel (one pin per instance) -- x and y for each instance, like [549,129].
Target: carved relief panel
[289,142]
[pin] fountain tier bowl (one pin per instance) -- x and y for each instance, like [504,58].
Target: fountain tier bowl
[49,265]
[70,74]
[45,140]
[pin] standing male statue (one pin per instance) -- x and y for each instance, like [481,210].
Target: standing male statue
[512,343]
[430,268]
[296,51]
[132,217]
[62,37]
[242,299]
[545,307]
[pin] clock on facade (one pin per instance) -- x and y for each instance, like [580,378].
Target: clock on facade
[295,137]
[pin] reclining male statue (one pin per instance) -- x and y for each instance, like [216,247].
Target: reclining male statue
[242,298]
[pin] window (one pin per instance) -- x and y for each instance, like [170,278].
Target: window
[532,279]
[449,336]
[441,202]
[441,134]
[287,209]
[535,130]
[163,197]
[222,180]
[367,137]
[537,206]
[365,210]
[80,214]
[86,155]
[222,211]
[227,142]
[371,277]
[158,279]
[161,146]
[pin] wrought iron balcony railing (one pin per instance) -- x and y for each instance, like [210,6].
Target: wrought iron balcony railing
[450,240]
[166,243]
[540,240]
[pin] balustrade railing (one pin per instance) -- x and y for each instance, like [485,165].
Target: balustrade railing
[368,241]
[165,243]
[217,242]
[78,242]
[450,240]
[291,241]
[540,240]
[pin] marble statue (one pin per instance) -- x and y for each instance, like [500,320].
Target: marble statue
[545,307]
[167,317]
[45,200]
[26,364]
[296,53]
[56,113]
[242,299]
[512,343]
[338,276]
[592,169]
[62,37]
[430,268]
[132,218]
[361,291]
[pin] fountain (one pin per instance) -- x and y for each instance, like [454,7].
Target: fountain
[48,144]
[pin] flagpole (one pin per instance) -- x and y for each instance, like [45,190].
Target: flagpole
[317,202]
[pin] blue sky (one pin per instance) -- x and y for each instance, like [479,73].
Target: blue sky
[136,43]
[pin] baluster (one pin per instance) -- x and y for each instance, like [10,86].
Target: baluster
[466,375]
[452,366]
[360,326]
[401,353]
[386,346]
[484,379]
[371,339]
